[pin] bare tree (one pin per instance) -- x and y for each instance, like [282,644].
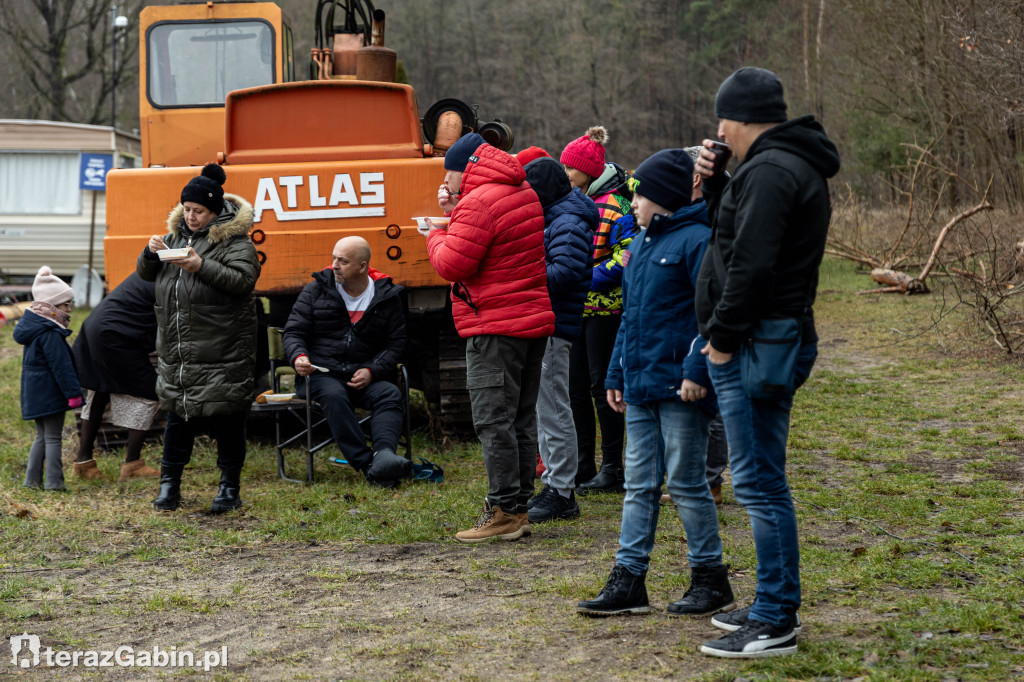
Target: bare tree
[64,55]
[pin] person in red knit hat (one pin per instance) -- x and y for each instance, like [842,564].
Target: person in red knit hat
[607,184]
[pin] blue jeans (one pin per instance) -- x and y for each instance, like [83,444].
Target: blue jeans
[667,437]
[756,431]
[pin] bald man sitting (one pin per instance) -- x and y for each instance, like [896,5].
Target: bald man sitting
[344,337]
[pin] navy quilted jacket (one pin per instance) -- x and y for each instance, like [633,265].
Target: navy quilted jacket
[569,224]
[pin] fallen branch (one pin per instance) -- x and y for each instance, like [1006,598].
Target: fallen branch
[983,206]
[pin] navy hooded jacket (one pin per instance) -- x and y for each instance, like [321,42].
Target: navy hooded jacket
[570,217]
[659,323]
[48,377]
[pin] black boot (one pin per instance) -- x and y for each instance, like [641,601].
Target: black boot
[227,497]
[609,479]
[623,594]
[709,593]
[170,487]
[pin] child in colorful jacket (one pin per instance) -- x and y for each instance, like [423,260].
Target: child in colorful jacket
[607,184]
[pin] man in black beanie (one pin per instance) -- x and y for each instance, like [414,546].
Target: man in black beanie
[758,283]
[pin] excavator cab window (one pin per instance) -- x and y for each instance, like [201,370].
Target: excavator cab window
[196,64]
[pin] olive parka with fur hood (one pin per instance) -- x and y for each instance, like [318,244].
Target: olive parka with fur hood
[206,320]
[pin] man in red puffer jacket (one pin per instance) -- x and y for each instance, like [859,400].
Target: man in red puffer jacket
[493,253]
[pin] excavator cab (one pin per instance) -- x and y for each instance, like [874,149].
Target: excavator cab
[194,56]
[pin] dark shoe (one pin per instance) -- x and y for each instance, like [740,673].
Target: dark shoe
[754,640]
[170,488]
[734,620]
[585,470]
[539,497]
[709,593]
[387,467]
[554,506]
[608,480]
[623,594]
[227,496]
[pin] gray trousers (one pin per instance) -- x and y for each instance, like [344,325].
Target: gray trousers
[556,430]
[46,448]
[503,377]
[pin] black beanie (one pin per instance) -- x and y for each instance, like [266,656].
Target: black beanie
[548,179]
[457,156]
[751,95]
[666,178]
[206,189]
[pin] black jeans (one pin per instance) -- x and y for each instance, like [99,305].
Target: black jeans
[503,378]
[338,403]
[718,451]
[588,366]
[228,430]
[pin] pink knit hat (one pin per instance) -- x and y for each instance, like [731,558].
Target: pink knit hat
[586,153]
[49,288]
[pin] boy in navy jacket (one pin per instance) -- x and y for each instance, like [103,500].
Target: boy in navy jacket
[662,396]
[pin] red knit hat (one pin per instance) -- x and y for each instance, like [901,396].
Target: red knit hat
[586,153]
[531,154]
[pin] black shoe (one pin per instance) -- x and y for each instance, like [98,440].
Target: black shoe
[170,488]
[387,467]
[554,506]
[734,620]
[536,499]
[754,640]
[709,592]
[584,472]
[227,496]
[623,594]
[608,480]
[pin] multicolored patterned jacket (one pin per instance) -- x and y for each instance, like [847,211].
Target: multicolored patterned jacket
[612,197]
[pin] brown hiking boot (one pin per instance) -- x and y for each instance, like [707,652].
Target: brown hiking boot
[524,523]
[87,470]
[494,524]
[716,493]
[137,469]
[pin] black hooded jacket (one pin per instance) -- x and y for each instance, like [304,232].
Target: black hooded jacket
[319,327]
[770,222]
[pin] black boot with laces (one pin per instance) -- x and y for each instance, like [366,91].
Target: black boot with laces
[624,594]
[709,593]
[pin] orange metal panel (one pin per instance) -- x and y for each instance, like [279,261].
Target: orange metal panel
[322,120]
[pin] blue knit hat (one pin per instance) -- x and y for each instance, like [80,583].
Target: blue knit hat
[666,178]
[457,156]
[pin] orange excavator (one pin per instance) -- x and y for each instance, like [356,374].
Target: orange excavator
[343,152]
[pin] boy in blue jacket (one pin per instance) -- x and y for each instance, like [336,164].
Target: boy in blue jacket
[570,218]
[666,424]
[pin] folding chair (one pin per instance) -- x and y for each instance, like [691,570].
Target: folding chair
[307,414]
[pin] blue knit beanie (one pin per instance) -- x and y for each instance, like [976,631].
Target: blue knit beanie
[457,156]
[666,178]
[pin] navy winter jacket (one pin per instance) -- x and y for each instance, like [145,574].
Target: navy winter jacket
[569,224]
[659,323]
[48,378]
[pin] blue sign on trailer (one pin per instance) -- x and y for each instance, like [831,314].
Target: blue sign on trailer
[93,174]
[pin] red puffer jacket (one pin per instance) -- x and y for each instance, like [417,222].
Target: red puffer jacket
[493,252]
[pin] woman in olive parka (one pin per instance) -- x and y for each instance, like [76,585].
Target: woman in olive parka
[206,331]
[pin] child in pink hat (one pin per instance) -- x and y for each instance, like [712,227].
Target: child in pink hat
[49,383]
